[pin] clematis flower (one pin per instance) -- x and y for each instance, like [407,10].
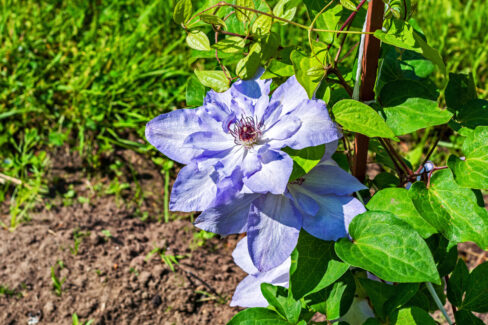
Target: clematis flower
[234,140]
[248,291]
[320,202]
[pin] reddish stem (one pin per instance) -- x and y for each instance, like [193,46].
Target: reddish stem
[369,67]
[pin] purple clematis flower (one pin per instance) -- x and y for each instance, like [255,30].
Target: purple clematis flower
[320,202]
[248,291]
[234,140]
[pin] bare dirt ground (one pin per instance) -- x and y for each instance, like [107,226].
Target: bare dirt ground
[110,280]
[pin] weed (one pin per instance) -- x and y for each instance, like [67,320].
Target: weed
[78,239]
[76,321]
[201,237]
[57,283]
[106,234]
[134,271]
[5,291]
[168,259]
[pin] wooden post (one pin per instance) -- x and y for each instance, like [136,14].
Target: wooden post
[369,64]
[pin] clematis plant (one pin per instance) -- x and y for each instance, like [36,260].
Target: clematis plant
[234,140]
[310,244]
[319,201]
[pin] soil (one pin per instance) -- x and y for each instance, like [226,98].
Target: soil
[111,278]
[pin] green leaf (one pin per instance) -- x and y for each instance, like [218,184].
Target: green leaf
[278,297]
[459,90]
[231,44]
[270,44]
[183,11]
[414,114]
[451,209]
[198,40]
[244,15]
[430,53]
[411,316]
[474,113]
[286,9]
[348,4]
[257,316]
[314,265]
[302,64]
[397,201]
[195,92]
[389,248]
[304,159]
[398,91]
[385,298]
[476,298]
[213,20]
[458,281]
[334,300]
[278,69]
[358,117]
[262,25]
[402,35]
[385,180]
[464,317]
[473,170]
[214,79]
[246,68]
[445,253]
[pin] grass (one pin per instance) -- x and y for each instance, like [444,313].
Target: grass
[88,75]
[458,30]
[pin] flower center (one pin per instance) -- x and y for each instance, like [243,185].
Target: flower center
[246,131]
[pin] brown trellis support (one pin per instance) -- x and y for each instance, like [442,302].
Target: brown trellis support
[369,64]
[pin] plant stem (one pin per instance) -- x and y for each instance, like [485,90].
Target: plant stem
[399,170]
[223,4]
[398,157]
[438,301]
[313,23]
[342,81]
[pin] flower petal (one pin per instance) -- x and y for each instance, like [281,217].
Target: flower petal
[333,218]
[274,225]
[317,126]
[251,163]
[209,140]
[227,219]
[276,167]
[328,178]
[289,95]
[330,149]
[304,202]
[193,190]
[168,131]
[242,258]
[248,292]
[284,128]
[253,88]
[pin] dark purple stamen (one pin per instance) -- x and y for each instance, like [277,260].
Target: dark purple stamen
[245,131]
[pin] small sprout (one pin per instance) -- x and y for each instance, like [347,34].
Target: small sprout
[107,235]
[57,283]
